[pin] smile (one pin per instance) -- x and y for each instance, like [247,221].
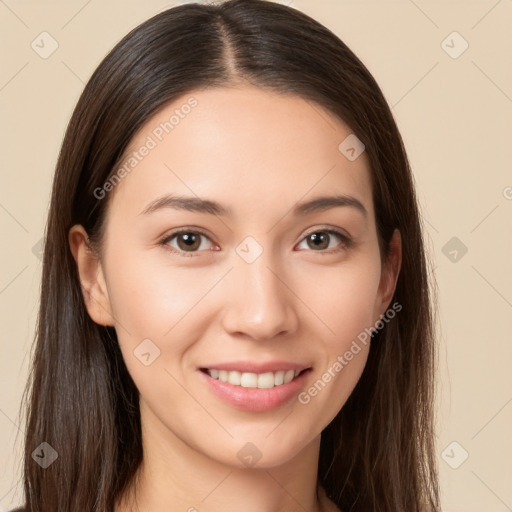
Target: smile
[253,380]
[255,392]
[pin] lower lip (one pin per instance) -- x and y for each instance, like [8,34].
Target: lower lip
[255,399]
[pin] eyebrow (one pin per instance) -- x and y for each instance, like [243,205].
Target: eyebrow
[196,204]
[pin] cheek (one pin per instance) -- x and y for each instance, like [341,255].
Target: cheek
[343,298]
[344,302]
[326,395]
[160,303]
[150,299]
[154,308]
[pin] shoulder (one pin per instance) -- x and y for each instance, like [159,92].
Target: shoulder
[20,509]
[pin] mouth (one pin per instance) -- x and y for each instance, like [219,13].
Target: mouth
[264,380]
[255,392]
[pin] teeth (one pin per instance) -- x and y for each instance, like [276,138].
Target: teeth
[254,380]
[234,378]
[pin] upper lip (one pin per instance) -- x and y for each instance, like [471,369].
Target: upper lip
[255,367]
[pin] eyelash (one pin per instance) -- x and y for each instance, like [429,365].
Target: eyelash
[345,244]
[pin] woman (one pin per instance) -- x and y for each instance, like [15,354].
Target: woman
[235,308]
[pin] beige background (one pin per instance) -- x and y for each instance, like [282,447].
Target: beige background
[455,115]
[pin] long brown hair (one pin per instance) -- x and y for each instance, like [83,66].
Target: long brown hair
[378,452]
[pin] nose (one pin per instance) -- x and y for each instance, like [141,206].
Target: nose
[259,302]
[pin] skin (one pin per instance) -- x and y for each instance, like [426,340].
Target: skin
[258,153]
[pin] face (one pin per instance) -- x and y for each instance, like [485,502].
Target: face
[256,287]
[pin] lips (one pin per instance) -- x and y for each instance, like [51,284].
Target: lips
[254,386]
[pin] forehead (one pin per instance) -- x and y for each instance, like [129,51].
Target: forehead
[246,147]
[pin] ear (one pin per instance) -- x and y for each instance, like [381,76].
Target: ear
[90,271]
[389,274]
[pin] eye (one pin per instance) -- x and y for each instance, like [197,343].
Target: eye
[321,239]
[187,241]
